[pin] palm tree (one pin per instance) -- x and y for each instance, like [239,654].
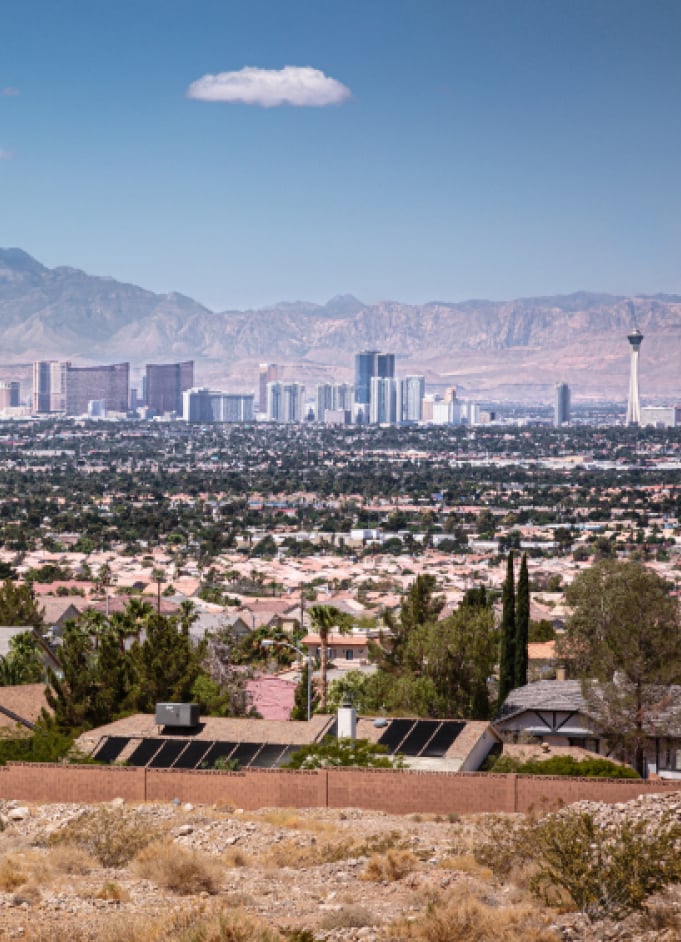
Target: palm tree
[324,618]
[158,576]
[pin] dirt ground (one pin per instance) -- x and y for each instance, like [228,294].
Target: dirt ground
[121,873]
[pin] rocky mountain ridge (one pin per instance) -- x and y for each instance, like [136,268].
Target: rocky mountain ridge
[514,349]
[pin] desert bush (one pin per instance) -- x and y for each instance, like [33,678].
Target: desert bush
[348,917]
[502,844]
[113,891]
[390,866]
[177,869]
[12,874]
[459,918]
[67,858]
[606,871]
[234,857]
[111,836]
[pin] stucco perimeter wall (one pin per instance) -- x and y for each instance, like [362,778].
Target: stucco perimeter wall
[396,792]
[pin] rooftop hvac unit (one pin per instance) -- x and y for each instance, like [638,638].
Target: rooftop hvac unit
[182,715]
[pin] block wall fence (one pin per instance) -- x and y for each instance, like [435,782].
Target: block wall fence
[392,791]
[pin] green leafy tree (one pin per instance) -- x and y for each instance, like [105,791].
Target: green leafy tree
[541,630]
[18,605]
[623,639]
[522,625]
[508,633]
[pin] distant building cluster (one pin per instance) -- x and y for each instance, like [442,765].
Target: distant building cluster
[377,397]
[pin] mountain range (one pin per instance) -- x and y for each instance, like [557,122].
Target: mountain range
[513,350]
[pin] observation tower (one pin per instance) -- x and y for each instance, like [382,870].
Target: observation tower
[633,407]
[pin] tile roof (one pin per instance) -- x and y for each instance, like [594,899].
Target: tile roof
[25,700]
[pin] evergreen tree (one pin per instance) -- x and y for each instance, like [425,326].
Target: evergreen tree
[419,607]
[165,665]
[508,632]
[18,605]
[522,624]
[299,711]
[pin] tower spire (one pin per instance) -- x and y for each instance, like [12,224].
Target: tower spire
[635,339]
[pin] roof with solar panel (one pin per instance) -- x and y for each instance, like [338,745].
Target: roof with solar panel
[215,742]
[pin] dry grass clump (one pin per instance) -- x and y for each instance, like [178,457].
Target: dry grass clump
[113,891]
[390,866]
[348,917]
[291,820]
[463,918]
[466,863]
[234,857]
[193,925]
[67,858]
[182,871]
[13,874]
[112,836]
[299,856]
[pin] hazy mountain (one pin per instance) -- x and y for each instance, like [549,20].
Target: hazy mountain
[516,349]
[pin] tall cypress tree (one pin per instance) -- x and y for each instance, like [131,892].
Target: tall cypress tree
[507,658]
[522,624]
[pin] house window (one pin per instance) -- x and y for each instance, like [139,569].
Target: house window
[349,654]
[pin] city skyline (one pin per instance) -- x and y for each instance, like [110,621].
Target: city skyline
[251,153]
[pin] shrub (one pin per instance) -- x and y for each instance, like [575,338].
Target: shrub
[344,752]
[67,858]
[563,765]
[463,918]
[112,837]
[606,871]
[12,875]
[390,866]
[177,869]
[348,917]
[113,891]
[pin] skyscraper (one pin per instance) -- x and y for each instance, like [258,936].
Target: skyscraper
[635,339]
[413,391]
[365,368]
[208,405]
[165,384]
[561,405]
[49,386]
[108,383]
[332,397]
[268,373]
[385,406]
[9,395]
[370,364]
[285,402]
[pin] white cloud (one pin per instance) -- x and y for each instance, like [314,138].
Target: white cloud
[6,154]
[268,88]
[10,92]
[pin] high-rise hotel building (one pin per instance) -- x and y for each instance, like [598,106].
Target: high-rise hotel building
[62,388]
[165,384]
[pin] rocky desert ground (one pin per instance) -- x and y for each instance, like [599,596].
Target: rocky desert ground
[122,873]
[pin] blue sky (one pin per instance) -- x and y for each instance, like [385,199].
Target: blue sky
[488,148]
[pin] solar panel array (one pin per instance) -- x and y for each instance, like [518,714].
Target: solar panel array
[424,738]
[159,753]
